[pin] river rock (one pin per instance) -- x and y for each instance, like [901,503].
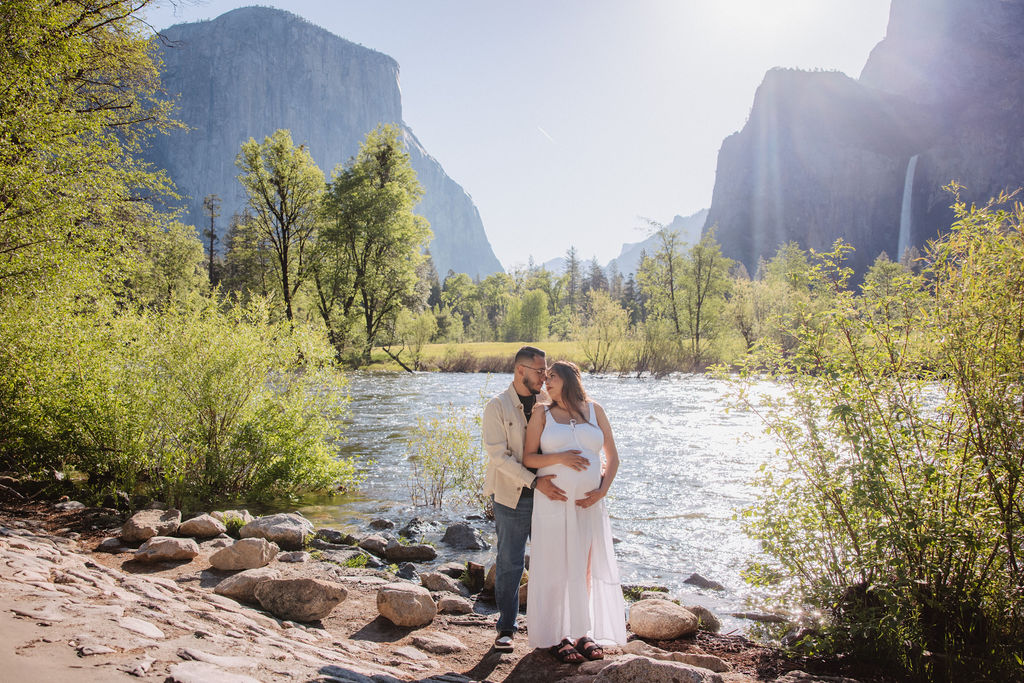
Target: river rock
[416,528]
[295,556]
[68,505]
[708,620]
[288,529]
[636,669]
[454,604]
[655,595]
[700,582]
[335,537]
[464,537]
[146,524]
[203,526]
[417,552]
[242,586]
[452,569]
[112,545]
[382,525]
[405,604]
[474,577]
[661,620]
[300,599]
[436,581]
[166,549]
[374,544]
[704,661]
[248,553]
[438,643]
[407,571]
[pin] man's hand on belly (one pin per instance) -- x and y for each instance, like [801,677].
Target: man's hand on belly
[549,489]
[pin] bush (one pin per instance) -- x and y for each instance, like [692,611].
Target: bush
[447,458]
[901,429]
[189,404]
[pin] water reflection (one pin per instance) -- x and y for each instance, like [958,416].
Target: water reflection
[686,464]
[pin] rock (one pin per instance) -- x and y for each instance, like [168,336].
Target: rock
[374,544]
[708,620]
[524,589]
[382,524]
[704,661]
[248,553]
[146,524]
[436,581]
[166,549]
[344,557]
[296,556]
[407,570]
[300,599]
[420,552]
[141,627]
[203,526]
[69,505]
[416,528]
[242,586]
[204,672]
[804,677]
[112,545]
[464,537]
[635,669]
[489,579]
[452,569]
[475,579]
[655,595]
[335,537]
[438,643]
[406,604]
[661,620]
[224,516]
[454,604]
[700,582]
[287,530]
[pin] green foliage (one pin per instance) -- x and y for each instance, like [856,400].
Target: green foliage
[356,562]
[233,525]
[188,403]
[603,335]
[447,459]
[896,506]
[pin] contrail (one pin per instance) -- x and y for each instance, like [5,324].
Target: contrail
[546,134]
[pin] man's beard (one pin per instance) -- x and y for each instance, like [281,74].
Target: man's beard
[533,389]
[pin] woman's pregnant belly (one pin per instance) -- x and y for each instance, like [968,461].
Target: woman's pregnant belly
[576,483]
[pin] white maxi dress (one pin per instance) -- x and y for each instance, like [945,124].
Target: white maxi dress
[560,601]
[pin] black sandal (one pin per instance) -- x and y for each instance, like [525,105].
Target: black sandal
[566,653]
[589,649]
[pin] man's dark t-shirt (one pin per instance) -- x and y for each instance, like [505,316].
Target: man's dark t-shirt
[528,403]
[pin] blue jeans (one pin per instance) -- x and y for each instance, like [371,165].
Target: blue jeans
[513,528]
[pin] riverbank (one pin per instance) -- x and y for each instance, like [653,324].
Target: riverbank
[68,611]
[494,357]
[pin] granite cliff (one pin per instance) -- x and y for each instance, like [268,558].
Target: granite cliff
[254,70]
[824,156]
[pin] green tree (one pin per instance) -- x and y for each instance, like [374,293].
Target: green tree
[661,278]
[170,265]
[372,241]
[283,188]
[573,279]
[248,269]
[211,205]
[533,316]
[603,333]
[705,284]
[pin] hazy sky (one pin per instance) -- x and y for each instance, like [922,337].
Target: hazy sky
[570,121]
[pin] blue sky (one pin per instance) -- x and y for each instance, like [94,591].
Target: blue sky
[571,121]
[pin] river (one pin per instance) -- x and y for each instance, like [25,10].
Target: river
[686,469]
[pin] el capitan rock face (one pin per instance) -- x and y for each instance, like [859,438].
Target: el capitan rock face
[825,156]
[254,70]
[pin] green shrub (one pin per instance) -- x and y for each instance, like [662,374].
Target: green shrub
[901,426]
[447,458]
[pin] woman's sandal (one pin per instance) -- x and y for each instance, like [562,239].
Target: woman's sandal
[589,649]
[566,653]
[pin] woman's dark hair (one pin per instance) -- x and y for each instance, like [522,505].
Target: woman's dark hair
[574,397]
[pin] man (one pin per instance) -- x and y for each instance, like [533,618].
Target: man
[511,484]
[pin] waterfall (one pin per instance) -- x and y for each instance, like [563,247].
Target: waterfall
[905,210]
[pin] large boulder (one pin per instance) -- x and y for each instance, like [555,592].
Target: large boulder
[708,620]
[405,604]
[636,669]
[242,586]
[661,620]
[166,549]
[203,526]
[145,524]
[464,537]
[454,604]
[299,599]
[374,544]
[248,553]
[288,529]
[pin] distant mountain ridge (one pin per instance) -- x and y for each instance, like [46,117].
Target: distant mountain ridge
[256,69]
[825,156]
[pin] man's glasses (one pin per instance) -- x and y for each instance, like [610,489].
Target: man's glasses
[542,371]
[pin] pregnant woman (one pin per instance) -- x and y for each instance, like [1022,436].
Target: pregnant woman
[574,597]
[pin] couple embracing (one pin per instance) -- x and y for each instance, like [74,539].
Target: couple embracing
[546,475]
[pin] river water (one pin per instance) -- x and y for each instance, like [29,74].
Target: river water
[686,469]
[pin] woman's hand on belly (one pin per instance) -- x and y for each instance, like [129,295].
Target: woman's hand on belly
[572,459]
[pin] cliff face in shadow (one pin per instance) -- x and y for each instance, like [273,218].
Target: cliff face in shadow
[825,156]
[254,70]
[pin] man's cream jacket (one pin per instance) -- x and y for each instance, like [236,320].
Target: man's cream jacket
[504,430]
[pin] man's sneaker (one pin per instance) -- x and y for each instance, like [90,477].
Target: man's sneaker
[503,643]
